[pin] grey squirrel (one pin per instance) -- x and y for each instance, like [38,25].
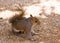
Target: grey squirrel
[21,23]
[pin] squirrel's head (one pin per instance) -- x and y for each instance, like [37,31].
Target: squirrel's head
[34,20]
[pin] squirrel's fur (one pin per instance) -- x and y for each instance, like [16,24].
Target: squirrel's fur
[19,22]
[17,16]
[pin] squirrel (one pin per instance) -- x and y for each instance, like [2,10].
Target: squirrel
[21,23]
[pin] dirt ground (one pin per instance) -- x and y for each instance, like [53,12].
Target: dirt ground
[49,32]
[9,3]
[49,29]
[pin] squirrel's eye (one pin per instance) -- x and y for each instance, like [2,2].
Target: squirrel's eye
[35,21]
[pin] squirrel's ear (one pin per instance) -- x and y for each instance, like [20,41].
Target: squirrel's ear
[31,16]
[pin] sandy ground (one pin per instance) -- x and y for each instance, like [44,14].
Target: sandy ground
[49,32]
[49,29]
[8,3]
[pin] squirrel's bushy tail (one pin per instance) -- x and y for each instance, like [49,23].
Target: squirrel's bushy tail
[17,16]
